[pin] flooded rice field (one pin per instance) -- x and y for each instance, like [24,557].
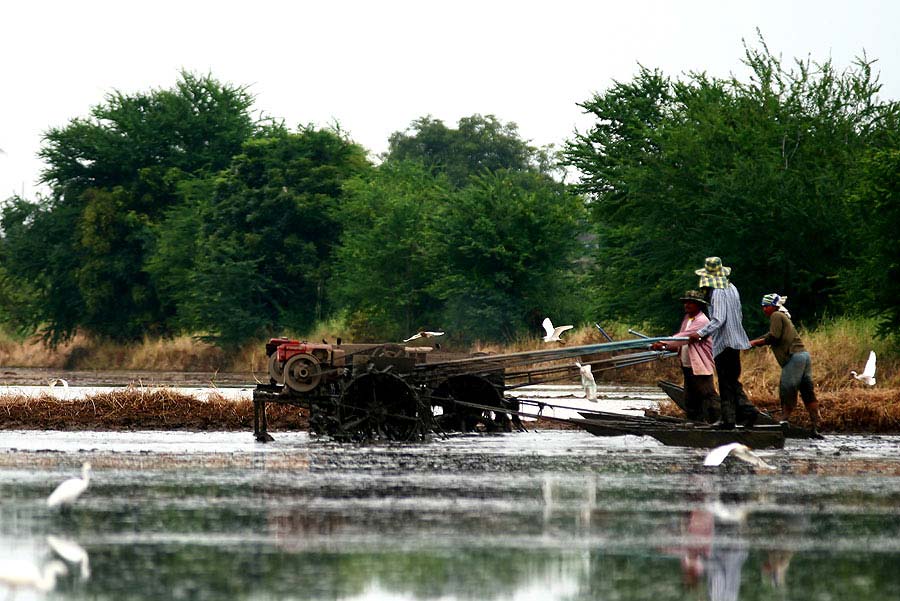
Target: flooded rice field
[555,515]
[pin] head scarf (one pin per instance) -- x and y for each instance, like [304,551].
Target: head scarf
[776,300]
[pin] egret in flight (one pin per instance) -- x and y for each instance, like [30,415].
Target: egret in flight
[868,374]
[553,333]
[424,334]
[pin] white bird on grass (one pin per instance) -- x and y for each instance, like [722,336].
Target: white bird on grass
[17,574]
[69,490]
[424,334]
[58,381]
[553,333]
[587,381]
[868,374]
[741,451]
[72,552]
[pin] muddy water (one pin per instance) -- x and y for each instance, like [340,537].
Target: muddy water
[540,515]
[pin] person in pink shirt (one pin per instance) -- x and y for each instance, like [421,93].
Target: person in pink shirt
[696,358]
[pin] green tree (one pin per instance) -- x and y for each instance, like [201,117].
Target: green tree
[38,273]
[136,140]
[503,253]
[263,234]
[113,176]
[384,260]
[872,280]
[479,144]
[756,172]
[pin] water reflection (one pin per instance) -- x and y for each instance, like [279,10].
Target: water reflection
[538,516]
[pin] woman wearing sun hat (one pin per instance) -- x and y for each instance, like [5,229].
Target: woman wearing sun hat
[729,339]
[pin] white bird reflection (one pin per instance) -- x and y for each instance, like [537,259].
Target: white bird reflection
[72,552]
[16,574]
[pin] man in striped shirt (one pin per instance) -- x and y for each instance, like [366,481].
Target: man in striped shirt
[729,339]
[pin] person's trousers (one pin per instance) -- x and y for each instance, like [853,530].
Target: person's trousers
[735,405]
[796,375]
[699,396]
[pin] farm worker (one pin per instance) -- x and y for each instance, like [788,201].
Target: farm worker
[696,360]
[792,356]
[729,339]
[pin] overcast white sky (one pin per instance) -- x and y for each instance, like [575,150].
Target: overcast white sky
[376,66]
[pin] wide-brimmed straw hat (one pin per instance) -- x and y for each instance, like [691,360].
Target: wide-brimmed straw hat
[713,274]
[694,296]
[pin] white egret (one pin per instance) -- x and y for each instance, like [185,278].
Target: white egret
[18,574]
[553,333]
[424,334]
[69,490]
[72,552]
[587,381]
[868,374]
[741,451]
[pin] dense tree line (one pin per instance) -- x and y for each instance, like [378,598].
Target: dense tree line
[787,176]
[180,211]
[176,211]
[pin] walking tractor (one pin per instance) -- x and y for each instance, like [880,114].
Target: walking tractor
[399,392]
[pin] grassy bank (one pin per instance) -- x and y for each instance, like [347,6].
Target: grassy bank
[836,347]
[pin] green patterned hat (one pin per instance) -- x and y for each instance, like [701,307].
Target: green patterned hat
[713,274]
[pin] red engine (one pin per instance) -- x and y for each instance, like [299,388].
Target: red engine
[302,366]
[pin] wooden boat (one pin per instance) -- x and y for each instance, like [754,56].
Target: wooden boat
[676,393]
[675,432]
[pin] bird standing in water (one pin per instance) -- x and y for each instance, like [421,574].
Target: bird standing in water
[587,381]
[69,490]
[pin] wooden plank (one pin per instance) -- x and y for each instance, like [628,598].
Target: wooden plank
[676,393]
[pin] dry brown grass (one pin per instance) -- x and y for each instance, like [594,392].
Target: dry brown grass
[836,347]
[135,409]
[81,352]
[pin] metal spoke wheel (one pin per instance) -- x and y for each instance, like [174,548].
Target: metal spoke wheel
[276,370]
[471,389]
[302,373]
[377,405]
